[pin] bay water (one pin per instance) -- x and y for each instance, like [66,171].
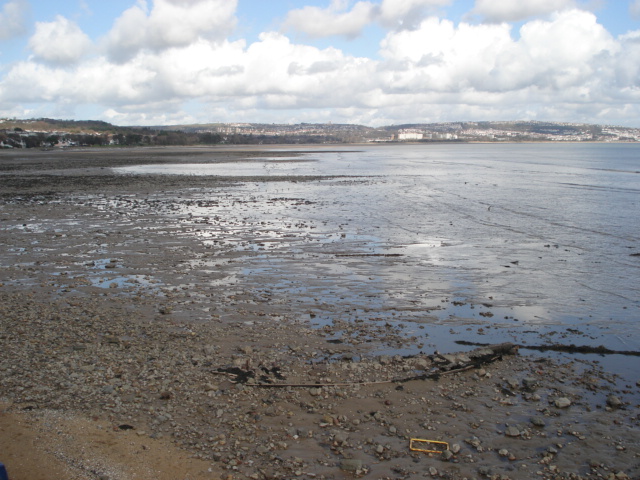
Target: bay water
[532,243]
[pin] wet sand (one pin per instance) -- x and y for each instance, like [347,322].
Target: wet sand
[126,349]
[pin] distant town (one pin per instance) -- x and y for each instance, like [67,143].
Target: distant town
[50,133]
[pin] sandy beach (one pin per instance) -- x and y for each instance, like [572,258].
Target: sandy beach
[126,353]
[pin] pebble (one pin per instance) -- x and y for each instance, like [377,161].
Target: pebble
[351,465]
[513,383]
[512,431]
[340,438]
[614,402]
[562,402]
[538,421]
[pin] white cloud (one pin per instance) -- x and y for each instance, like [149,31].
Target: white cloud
[563,67]
[60,41]
[334,20]
[516,10]
[13,19]
[338,19]
[549,56]
[170,24]
[634,9]
[407,13]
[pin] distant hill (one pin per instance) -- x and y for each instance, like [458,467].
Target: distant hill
[45,132]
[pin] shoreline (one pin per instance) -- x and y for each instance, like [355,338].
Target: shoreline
[129,322]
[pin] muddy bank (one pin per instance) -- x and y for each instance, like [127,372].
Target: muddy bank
[123,312]
[133,370]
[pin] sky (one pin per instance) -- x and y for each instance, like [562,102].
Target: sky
[369,62]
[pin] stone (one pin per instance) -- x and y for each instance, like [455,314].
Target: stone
[512,431]
[384,360]
[473,441]
[614,402]
[562,402]
[341,438]
[327,419]
[538,421]
[447,455]
[351,465]
[455,448]
[484,471]
[421,363]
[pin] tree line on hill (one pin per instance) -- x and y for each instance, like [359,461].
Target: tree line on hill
[48,133]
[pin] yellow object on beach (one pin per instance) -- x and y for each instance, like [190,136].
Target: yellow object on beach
[428,446]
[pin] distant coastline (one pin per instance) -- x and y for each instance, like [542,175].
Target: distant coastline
[51,133]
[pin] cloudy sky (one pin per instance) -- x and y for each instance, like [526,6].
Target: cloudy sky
[372,62]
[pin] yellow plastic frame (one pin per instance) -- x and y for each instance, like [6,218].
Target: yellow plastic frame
[413,448]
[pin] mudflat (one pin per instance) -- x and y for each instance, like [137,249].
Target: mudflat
[128,351]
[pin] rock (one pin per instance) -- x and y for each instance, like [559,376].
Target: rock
[449,357]
[455,448]
[340,438]
[433,471]
[538,421]
[447,455]
[475,443]
[614,402]
[315,392]
[513,383]
[529,383]
[420,363]
[351,465]
[209,350]
[512,431]
[327,419]
[484,471]
[384,360]
[562,402]
[503,452]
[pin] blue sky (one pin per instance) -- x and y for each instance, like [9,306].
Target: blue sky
[374,62]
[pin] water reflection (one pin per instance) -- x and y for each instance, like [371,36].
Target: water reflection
[523,238]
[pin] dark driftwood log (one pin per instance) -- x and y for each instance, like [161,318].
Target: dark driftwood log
[445,365]
[557,347]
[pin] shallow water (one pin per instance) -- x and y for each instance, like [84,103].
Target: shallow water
[498,242]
